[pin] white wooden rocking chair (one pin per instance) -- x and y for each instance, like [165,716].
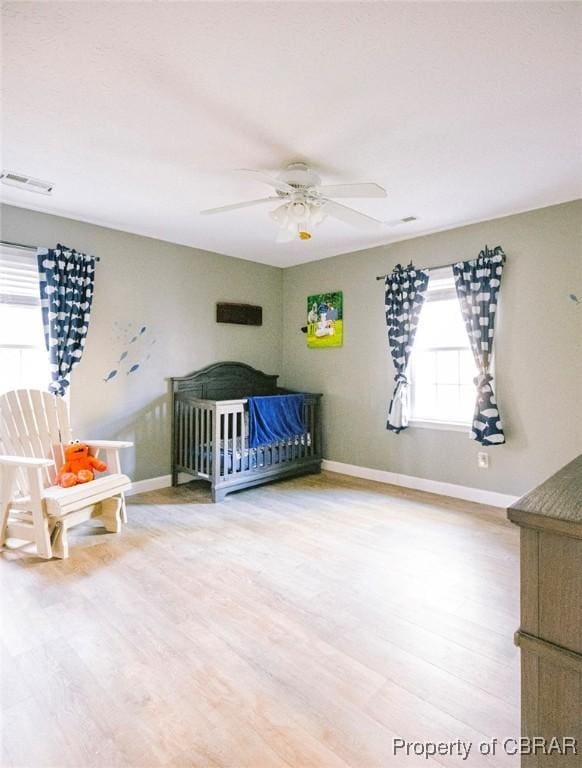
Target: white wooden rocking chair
[34,428]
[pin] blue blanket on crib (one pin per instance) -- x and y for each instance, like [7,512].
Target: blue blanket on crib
[274,418]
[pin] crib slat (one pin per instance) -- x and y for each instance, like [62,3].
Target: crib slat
[236,441]
[228,438]
[202,440]
[206,444]
[186,413]
[192,439]
[180,436]
[181,432]
[230,459]
[216,423]
[219,437]
[226,443]
[233,438]
[185,409]
[305,431]
[201,437]
[210,441]
[186,459]
[193,448]
[235,467]
[195,442]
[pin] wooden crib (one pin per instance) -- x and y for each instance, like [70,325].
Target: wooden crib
[210,430]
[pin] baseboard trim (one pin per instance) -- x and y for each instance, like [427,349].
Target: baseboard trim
[155,483]
[492,498]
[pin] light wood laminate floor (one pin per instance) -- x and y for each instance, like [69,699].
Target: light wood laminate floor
[305,623]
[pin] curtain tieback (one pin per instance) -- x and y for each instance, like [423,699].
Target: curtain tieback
[400,378]
[482,380]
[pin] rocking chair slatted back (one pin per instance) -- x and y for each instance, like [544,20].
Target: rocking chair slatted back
[35,424]
[34,430]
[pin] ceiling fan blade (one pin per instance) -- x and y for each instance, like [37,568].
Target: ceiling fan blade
[234,206]
[353,190]
[278,184]
[351,216]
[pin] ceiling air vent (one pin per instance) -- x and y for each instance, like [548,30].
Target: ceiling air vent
[26,182]
[407,219]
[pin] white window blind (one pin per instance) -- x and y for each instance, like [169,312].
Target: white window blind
[23,356]
[18,276]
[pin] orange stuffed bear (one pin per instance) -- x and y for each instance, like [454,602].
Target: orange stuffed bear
[78,466]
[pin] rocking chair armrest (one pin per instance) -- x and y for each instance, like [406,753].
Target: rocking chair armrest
[25,461]
[108,444]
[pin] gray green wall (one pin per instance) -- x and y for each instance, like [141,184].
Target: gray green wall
[173,291]
[538,353]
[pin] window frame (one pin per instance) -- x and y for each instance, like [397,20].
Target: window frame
[436,294]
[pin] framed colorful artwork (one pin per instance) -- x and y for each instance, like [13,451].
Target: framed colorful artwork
[325,320]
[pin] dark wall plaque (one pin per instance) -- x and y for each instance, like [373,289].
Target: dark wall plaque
[239,314]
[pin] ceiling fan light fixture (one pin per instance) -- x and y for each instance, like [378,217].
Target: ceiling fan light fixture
[279,214]
[298,211]
[317,214]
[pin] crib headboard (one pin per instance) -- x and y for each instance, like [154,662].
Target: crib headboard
[226,381]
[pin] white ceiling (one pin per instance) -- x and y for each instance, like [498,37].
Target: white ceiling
[139,111]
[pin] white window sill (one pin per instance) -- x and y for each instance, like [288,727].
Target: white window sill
[448,426]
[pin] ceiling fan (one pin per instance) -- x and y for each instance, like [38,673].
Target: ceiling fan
[306,202]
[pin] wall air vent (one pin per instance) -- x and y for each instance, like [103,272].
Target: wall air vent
[21,181]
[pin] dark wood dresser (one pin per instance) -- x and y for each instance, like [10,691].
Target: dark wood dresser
[550,635]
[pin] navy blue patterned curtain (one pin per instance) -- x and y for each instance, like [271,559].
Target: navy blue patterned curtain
[405,294]
[478,283]
[66,293]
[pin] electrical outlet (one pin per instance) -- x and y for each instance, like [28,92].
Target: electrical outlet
[483,460]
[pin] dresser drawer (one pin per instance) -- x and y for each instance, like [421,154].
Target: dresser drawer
[551,707]
[551,587]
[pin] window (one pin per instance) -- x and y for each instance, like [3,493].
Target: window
[442,366]
[23,356]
